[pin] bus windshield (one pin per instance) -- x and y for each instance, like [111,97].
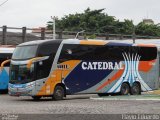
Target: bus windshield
[25,52]
[20,74]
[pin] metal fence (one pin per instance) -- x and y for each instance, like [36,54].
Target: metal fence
[15,35]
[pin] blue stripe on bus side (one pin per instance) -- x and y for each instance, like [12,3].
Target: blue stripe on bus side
[4,79]
[79,79]
[118,44]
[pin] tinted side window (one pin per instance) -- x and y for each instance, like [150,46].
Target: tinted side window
[105,53]
[5,56]
[148,53]
[44,67]
[92,52]
[77,52]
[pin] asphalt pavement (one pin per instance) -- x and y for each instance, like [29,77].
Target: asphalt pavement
[82,105]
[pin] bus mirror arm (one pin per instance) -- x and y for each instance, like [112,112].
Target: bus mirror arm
[4,62]
[33,60]
[36,59]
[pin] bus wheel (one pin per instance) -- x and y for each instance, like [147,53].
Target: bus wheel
[36,98]
[125,89]
[58,93]
[136,89]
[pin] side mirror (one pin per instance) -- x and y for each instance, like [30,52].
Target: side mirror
[3,63]
[36,59]
[32,60]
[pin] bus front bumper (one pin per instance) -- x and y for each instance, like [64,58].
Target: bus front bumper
[21,89]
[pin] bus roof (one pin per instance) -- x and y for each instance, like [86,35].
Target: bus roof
[37,42]
[96,42]
[155,42]
[7,46]
[6,49]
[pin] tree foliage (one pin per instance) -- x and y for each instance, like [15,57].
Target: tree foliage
[145,29]
[97,21]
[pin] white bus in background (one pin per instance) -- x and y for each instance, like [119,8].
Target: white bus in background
[5,56]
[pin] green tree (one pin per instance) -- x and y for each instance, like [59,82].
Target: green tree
[125,27]
[90,20]
[97,21]
[149,30]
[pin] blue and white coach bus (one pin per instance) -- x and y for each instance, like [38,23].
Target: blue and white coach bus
[56,68]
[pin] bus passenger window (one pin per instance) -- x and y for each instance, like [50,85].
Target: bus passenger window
[4,57]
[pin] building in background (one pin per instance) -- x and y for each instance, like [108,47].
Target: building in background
[148,21]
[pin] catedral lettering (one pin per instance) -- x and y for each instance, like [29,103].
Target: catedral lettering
[56,68]
[101,66]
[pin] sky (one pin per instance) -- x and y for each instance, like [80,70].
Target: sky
[36,13]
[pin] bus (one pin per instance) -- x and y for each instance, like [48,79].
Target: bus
[5,54]
[56,68]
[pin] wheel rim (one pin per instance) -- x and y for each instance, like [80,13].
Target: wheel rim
[59,93]
[135,89]
[124,90]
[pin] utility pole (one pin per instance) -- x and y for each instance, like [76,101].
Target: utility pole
[4,35]
[24,29]
[54,27]
[134,35]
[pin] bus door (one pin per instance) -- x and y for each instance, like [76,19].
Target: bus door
[63,71]
[43,85]
[57,76]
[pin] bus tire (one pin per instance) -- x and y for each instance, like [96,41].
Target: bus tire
[36,98]
[136,89]
[125,89]
[58,93]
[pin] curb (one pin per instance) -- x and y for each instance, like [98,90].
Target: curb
[137,98]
